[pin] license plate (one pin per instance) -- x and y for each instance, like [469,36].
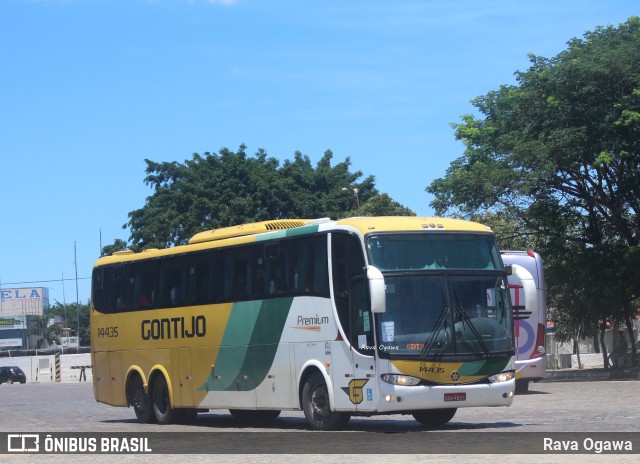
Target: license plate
[455,396]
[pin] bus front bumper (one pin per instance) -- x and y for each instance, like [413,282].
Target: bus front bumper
[394,398]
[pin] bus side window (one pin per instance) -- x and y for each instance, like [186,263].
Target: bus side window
[118,295]
[143,275]
[100,290]
[201,274]
[276,268]
[172,281]
[310,273]
[237,269]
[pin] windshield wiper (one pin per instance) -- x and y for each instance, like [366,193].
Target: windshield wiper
[464,317]
[429,343]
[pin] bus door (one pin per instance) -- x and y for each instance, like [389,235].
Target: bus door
[102,376]
[361,389]
[350,292]
[183,384]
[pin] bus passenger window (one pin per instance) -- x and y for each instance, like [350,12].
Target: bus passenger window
[276,259]
[119,299]
[236,281]
[309,266]
[201,272]
[172,275]
[144,284]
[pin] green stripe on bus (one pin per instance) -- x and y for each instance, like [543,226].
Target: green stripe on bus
[249,345]
[266,336]
[305,230]
[488,367]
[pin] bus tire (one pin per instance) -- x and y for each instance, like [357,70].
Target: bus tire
[316,407]
[162,409]
[434,417]
[247,416]
[140,400]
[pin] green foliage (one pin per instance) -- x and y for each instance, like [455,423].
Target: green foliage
[39,325]
[210,191]
[382,205]
[75,316]
[510,233]
[558,153]
[117,245]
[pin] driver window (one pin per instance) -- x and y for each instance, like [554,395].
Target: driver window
[347,260]
[361,336]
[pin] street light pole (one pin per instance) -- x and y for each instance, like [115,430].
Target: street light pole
[355,192]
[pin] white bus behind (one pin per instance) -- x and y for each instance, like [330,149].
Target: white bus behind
[530,323]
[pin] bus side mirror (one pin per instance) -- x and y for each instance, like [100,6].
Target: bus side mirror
[376,290]
[508,269]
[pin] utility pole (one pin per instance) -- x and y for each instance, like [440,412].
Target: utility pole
[75,262]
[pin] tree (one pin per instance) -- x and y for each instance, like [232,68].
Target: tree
[117,245]
[510,233]
[560,153]
[565,138]
[382,205]
[210,191]
[45,333]
[75,317]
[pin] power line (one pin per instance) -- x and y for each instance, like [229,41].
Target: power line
[41,281]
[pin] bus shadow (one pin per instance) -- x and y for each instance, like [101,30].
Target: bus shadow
[213,421]
[533,392]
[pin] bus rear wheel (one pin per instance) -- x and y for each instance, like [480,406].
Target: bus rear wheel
[317,410]
[140,400]
[162,409]
[434,417]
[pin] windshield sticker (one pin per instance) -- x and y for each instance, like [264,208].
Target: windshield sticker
[367,324]
[388,331]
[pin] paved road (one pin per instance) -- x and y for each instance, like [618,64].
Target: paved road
[589,406]
[550,407]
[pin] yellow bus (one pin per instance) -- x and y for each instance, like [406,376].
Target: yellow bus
[360,316]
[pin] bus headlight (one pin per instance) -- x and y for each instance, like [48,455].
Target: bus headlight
[502,377]
[396,379]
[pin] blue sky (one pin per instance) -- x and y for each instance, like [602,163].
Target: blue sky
[90,88]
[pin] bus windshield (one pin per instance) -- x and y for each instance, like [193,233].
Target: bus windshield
[411,251]
[447,297]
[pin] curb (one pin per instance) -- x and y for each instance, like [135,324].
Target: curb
[567,375]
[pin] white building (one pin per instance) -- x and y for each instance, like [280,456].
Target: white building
[17,307]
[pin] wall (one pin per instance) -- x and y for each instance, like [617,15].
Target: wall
[29,364]
[560,356]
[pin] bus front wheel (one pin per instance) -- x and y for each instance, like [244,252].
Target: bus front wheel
[162,409]
[315,403]
[434,417]
[140,400]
